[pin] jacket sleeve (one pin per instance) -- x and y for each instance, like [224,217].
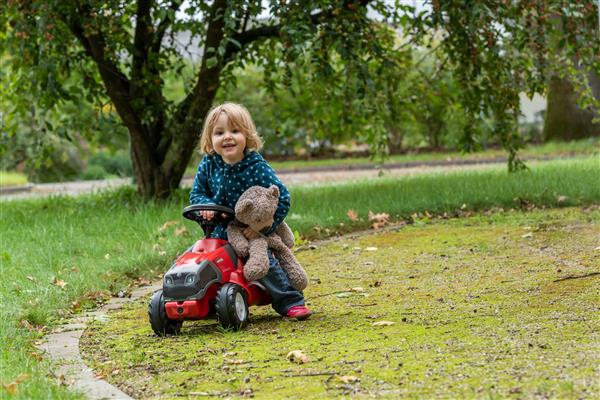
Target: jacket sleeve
[283,207]
[201,193]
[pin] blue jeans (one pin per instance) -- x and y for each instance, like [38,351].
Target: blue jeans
[284,296]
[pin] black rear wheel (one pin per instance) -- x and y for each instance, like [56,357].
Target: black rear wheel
[160,323]
[232,306]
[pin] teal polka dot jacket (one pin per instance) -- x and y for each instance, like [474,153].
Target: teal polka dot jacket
[217,182]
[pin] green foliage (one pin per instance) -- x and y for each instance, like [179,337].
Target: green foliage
[117,163]
[342,67]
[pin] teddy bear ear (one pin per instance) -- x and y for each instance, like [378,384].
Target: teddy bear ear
[274,191]
[242,206]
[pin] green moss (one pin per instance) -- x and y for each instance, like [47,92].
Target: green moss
[480,308]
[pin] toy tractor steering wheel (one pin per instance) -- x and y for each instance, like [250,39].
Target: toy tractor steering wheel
[222,215]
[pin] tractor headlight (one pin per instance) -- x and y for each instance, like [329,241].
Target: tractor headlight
[168,280]
[190,278]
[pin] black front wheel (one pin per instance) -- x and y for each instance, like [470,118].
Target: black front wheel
[232,306]
[160,323]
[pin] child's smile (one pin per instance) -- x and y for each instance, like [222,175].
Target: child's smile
[229,142]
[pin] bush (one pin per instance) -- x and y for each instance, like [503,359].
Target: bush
[94,172]
[61,162]
[117,163]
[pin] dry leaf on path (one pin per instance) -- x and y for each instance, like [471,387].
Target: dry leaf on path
[348,378]
[297,356]
[352,214]
[383,323]
[357,289]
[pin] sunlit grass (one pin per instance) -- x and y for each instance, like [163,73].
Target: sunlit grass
[576,148]
[11,178]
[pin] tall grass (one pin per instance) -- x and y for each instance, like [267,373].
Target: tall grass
[558,183]
[59,255]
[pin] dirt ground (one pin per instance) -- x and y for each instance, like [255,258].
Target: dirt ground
[498,306]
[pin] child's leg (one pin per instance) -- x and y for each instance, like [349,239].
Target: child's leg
[284,296]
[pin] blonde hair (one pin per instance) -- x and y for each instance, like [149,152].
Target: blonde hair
[238,117]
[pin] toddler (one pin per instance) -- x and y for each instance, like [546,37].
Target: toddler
[231,165]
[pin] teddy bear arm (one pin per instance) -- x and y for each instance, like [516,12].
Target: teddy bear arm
[296,274]
[286,234]
[238,241]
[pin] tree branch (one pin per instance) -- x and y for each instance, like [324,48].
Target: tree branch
[142,37]
[163,25]
[116,82]
[266,31]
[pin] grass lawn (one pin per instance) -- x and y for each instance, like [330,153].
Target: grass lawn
[11,178]
[60,256]
[584,147]
[500,306]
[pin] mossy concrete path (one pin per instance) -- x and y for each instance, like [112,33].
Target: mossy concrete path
[499,306]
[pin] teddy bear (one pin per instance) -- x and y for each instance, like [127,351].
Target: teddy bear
[255,209]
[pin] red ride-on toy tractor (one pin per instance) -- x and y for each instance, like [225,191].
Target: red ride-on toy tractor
[207,279]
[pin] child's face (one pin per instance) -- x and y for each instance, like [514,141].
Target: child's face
[228,142]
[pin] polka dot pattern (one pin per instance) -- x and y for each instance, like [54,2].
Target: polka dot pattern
[217,182]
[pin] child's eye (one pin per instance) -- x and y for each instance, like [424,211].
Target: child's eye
[217,133]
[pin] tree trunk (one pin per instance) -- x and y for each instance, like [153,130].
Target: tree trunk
[565,120]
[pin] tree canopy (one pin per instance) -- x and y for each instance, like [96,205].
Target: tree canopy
[119,52]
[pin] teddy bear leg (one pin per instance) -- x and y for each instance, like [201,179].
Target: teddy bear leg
[257,265]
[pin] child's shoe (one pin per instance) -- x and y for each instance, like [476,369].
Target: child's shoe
[299,312]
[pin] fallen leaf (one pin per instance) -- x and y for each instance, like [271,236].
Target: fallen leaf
[167,224]
[348,378]
[115,372]
[236,362]
[383,323]
[378,220]
[352,214]
[368,263]
[26,325]
[370,248]
[357,289]
[343,294]
[297,356]
[59,282]
[107,256]
[31,278]
[527,235]
[181,231]
[11,388]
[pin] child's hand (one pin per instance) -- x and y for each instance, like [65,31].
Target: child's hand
[207,215]
[249,233]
